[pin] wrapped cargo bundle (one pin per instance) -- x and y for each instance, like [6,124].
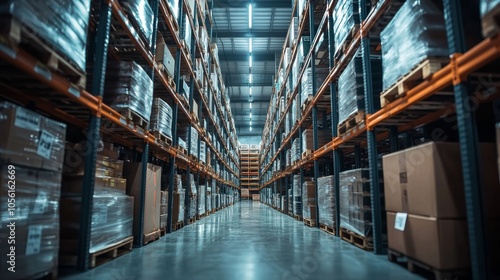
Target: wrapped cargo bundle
[37,221]
[355,203]
[163,209]
[177,182]
[192,207]
[326,201]
[297,197]
[129,87]
[202,200]
[174,8]
[182,197]
[203,150]
[351,93]
[184,133]
[164,56]
[308,200]
[161,117]
[415,33]
[62,24]
[324,136]
[182,143]
[488,5]
[307,86]
[345,18]
[141,13]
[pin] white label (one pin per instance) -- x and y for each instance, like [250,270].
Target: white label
[27,119]
[40,203]
[45,144]
[400,222]
[34,240]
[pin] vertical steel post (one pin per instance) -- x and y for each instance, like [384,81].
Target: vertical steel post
[469,146]
[357,155]
[97,88]
[393,139]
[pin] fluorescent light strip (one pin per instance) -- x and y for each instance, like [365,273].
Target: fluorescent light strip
[250,78]
[250,60]
[250,47]
[250,105]
[250,128]
[250,89]
[250,115]
[250,15]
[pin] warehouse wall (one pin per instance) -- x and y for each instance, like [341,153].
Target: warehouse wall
[249,139]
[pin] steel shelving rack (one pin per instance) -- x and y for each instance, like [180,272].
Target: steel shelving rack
[378,125]
[84,108]
[249,168]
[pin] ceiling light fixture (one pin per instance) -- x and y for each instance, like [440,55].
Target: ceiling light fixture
[250,47]
[250,123]
[250,115]
[250,78]
[250,128]
[250,60]
[250,15]
[250,90]
[250,104]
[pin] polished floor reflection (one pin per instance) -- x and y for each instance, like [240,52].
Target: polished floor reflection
[248,241]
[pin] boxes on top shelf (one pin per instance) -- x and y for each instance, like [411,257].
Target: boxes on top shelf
[161,118]
[489,14]
[346,21]
[141,15]
[164,56]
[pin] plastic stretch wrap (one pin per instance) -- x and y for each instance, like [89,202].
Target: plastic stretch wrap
[345,17]
[182,197]
[192,207]
[163,208]
[187,32]
[307,86]
[174,8]
[203,150]
[488,5]
[202,200]
[209,203]
[141,13]
[177,182]
[308,199]
[37,225]
[128,86]
[297,198]
[324,136]
[415,33]
[30,139]
[326,201]
[182,143]
[355,203]
[351,86]
[161,117]
[62,24]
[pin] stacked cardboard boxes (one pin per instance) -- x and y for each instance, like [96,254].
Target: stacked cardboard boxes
[309,200]
[355,202]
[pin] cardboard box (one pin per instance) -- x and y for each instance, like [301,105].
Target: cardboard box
[439,243]
[256,197]
[164,56]
[133,172]
[30,139]
[427,180]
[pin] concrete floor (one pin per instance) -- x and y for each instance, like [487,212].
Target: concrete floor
[248,241]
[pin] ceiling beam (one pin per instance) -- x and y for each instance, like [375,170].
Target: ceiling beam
[251,33]
[255,3]
[259,100]
[230,83]
[244,56]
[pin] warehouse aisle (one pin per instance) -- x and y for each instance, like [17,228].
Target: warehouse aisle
[248,241]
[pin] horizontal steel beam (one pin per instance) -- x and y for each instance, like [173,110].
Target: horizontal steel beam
[230,83]
[244,56]
[255,3]
[251,34]
[247,100]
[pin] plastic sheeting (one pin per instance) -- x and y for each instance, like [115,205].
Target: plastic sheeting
[488,5]
[297,197]
[326,201]
[128,86]
[308,199]
[62,24]
[142,14]
[351,86]
[161,117]
[415,33]
[345,17]
[355,201]
[202,200]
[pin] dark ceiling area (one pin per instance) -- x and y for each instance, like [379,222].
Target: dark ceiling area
[250,86]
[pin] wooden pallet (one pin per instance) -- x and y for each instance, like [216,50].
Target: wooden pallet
[307,153]
[306,102]
[130,116]
[170,80]
[195,118]
[363,242]
[102,256]
[327,229]
[161,137]
[425,270]
[422,71]
[192,220]
[491,22]
[202,216]
[345,45]
[163,231]
[310,222]
[151,237]
[14,34]
[178,226]
[297,217]
[182,150]
[351,122]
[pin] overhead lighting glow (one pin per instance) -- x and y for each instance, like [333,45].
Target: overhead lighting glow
[250,78]
[250,61]
[250,128]
[250,47]
[249,15]
[250,90]
[250,115]
[250,105]
[250,123]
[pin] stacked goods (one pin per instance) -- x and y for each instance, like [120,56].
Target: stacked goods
[297,197]
[245,193]
[62,24]
[351,92]
[192,207]
[193,144]
[355,204]
[324,136]
[177,182]
[346,17]
[426,208]
[186,33]
[128,87]
[202,200]
[184,88]
[133,172]
[309,199]
[164,56]
[174,8]
[161,118]
[288,158]
[415,33]
[142,17]
[295,153]
[163,209]
[31,155]
[304,45]
[182,143]
[178,210]
[203,149]
[326,201]
[307,86]
[290,201]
